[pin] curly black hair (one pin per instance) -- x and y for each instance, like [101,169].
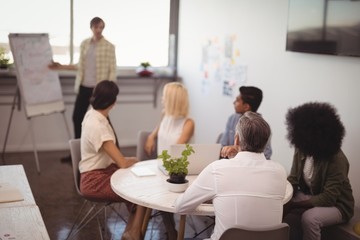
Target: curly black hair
[315,129]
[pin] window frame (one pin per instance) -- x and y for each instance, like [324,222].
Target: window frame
[173,37]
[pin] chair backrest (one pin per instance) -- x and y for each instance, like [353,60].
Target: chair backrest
[277,232]
[75,153]
[140,147]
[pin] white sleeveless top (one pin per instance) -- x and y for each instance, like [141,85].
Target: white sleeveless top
[169,132]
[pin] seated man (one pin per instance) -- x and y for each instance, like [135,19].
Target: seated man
[249,99]
[247,190]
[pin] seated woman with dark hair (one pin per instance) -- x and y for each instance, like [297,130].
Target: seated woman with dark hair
[319,173]
[101,155]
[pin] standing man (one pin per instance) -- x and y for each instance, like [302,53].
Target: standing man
[249,99]
[97,62]
[242,187]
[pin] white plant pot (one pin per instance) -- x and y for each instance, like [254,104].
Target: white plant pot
[177,187]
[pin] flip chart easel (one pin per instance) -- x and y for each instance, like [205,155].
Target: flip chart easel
[38,87]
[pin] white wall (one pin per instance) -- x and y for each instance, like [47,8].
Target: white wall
[287,79]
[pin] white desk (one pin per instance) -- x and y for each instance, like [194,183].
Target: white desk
[22,223]
[151,191]
[20,220]
[15,175]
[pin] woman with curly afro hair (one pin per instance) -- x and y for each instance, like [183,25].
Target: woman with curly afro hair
[319,172]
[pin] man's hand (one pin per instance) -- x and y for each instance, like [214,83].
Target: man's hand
[229,151]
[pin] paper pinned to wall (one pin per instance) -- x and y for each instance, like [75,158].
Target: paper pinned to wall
[221,63]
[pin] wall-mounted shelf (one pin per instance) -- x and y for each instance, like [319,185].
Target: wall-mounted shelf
[133,89]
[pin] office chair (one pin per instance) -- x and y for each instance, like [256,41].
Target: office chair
[277,232]
[140,147]
[96,206]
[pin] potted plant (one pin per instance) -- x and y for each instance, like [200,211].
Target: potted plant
[4,61]
[177,167]
[145,64]
[144,70]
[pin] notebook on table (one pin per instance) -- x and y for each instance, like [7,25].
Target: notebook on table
[142,171]
[203,156]
[9,193]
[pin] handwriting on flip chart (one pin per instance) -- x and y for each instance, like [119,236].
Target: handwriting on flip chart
[32,53]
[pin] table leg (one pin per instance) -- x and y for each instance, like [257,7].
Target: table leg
[181,231]
[146,221]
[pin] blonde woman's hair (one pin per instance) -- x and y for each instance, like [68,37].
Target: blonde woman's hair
[175,100]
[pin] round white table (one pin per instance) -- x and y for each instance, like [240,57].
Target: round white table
[151,191]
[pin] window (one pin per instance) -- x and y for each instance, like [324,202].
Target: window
[139,29]
[30,17]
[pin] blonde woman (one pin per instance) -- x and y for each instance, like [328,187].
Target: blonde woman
[175,126]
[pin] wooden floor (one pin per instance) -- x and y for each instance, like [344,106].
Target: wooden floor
[59,203]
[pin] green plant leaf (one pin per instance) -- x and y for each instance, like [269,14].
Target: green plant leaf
[145,64]
[177,166]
